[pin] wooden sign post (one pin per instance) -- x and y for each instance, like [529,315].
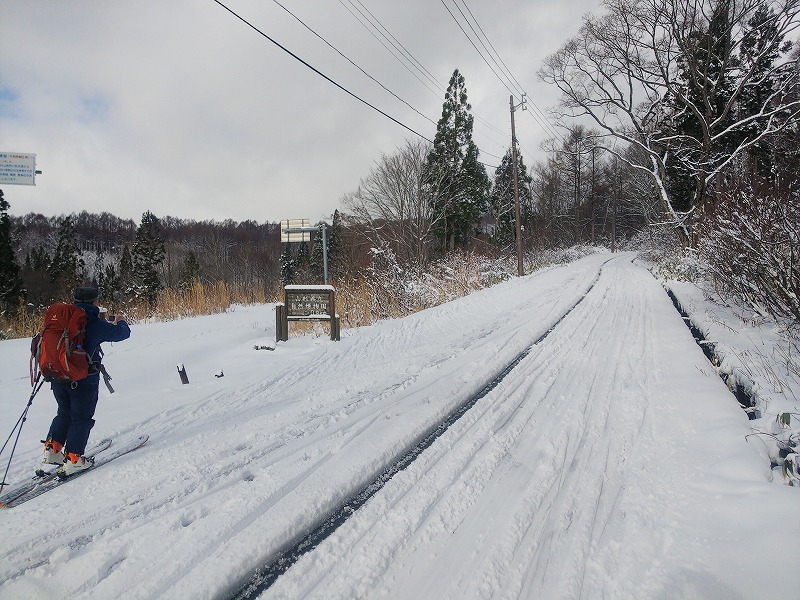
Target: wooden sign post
[306,303]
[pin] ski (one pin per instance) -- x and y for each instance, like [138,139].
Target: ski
[44,474]
[55,480]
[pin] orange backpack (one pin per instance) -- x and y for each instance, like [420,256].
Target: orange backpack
[57,350]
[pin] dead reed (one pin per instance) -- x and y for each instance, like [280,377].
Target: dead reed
[386,291]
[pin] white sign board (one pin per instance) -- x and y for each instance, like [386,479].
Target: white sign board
[296,236]
[17,168]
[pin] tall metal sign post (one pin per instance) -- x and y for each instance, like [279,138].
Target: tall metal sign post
[306,302]
[299,230]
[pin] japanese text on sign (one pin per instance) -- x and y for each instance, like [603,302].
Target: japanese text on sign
[303,304]
[17,168]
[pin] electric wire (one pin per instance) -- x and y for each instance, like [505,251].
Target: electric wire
[376,28]
[457,22]
[511,75]
[516,92]
[542,120]
[353,63]
[390,51]
[402,48]
[321,74]
[341,87]
[545,123]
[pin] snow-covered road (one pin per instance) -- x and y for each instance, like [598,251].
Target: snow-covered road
[610,462]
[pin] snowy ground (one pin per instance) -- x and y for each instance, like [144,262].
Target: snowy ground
[611,462]
[757,356]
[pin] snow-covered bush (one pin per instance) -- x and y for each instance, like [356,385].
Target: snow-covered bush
[655,244]
[541,259]
[752,245]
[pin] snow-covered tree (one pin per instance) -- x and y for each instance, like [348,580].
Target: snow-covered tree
[501,199]
[667,77]
[288,265]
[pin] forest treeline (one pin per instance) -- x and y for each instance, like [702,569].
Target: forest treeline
[133,261]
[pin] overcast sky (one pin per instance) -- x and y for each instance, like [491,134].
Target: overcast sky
[180,108]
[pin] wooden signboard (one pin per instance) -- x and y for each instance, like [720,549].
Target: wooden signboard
[306,303]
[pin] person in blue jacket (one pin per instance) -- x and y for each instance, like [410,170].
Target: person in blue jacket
[77,400]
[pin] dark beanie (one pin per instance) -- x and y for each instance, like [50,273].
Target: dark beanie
[86,294]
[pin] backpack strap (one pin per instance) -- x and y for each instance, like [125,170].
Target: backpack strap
[36,352]
[106,378]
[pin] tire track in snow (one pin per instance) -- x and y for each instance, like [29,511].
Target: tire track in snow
[179,503]
[548,465]
[221,541]
[266,576]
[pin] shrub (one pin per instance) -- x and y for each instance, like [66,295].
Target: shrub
[752,246]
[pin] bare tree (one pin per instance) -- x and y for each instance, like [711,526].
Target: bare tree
[395,204]
[553,193]
[646,63]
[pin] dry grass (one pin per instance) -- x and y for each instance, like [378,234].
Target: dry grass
[395,293]
[384,292]
[197,299]
[20,323]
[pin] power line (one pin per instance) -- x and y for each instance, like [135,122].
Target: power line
[404,50]
[373,78]
[405,57]
[549,128]
[457,22]
[541,120]
[543,123]
[382,43]
[480,41]
[321,74]
[353,63]
[518,85]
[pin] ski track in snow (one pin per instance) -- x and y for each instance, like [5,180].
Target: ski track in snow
[552,486]
[547,440]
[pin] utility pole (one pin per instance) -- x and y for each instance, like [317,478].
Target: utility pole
[520,270]
[615,199]
[591,202]
[577,190]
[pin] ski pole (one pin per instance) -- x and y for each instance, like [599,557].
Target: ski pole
[18,427]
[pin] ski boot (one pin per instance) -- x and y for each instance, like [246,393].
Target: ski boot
[75,464]
[53,453]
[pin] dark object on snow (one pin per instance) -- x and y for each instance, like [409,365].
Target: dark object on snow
[182,373]
[263,348]
[221,374]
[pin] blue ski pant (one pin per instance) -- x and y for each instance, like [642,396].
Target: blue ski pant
[75,417]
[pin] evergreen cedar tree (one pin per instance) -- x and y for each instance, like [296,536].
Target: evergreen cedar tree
[10,280]
[147,255]
[66,265]
[502,201]
[462,185]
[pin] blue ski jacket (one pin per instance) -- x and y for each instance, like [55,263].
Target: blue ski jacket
[98,331]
